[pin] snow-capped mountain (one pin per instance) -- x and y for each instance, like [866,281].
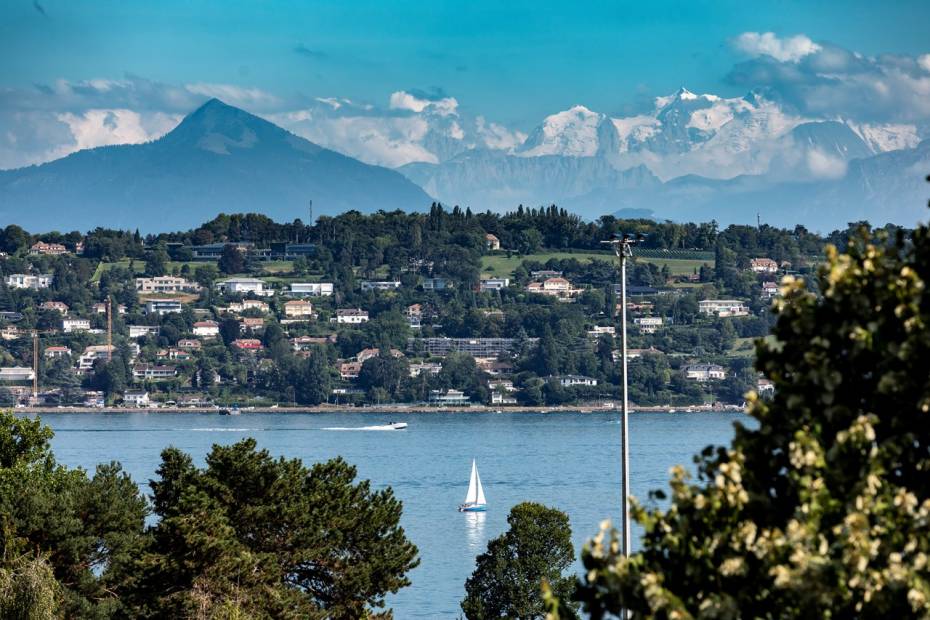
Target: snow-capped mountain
[687,149]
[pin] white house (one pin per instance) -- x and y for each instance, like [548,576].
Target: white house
[298,309]
[722,307]
[448,398]
[248,304]
[599,330]
[351,316]
[705,372]
[763,265]
[25,280]
[314,289]
[165,284]
[206,329]
[16,374]
[380,285]
[136,398]
[493,284]
[769,290]
[92,353]
[573,380]
[556,286]
[162,306]
[75,325]
[648,324]
[138,331]
[244,286]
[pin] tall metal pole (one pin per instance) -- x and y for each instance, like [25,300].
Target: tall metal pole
[624,411]
[35,366]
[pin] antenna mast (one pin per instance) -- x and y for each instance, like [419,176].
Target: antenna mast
[109,329]
[35,365]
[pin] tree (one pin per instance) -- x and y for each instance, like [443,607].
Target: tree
[156,262]
[312,382]
[271,537]
[822,510]
[508,579]
[231,260]
[86,530]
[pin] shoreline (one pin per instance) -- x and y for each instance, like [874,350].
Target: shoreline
[404,409]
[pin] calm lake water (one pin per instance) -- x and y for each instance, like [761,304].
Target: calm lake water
[565,460]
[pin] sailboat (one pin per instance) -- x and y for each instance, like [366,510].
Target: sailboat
[474,499]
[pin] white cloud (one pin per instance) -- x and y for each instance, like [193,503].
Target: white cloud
[105,127]
[924,62]
[824,166]
[402,100]
[233,95]
[790,49]
[498,137]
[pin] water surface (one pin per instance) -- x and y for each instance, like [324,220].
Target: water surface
[566,460]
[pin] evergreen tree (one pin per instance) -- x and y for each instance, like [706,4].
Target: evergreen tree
[509,576]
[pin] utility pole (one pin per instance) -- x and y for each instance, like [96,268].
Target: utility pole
[623,248]
[109,329]
[35,366]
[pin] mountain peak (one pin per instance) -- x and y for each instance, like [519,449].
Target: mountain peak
[685,94]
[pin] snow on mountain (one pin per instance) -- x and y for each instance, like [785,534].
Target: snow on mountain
[572,133]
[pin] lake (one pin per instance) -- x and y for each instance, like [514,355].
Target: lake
[570,461]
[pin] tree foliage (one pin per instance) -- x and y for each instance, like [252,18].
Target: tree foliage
[508,579]
[823,510]
[279,539]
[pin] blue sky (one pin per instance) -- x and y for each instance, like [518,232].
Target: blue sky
[512,62]
[516,61]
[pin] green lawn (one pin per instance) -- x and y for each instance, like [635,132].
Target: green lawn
[275,268]
[744,347]
[500,265]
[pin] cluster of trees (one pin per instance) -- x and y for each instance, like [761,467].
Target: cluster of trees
[247,536]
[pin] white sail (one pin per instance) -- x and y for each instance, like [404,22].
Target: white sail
[480,498]
[473,485]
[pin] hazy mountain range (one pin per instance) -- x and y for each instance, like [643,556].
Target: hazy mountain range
[692,157]
[218,159]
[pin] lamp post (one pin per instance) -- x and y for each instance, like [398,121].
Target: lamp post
[623,248]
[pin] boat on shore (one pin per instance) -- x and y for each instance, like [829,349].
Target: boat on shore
[474,498]
[234,410]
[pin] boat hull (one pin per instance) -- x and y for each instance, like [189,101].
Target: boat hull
[473,508]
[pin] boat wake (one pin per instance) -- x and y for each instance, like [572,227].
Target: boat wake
[384,427]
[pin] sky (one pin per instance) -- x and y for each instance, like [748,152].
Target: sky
[86,72]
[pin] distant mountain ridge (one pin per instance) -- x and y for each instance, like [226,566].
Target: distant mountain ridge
[218,159]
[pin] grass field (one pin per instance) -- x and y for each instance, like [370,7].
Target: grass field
[500,265]
[745,347]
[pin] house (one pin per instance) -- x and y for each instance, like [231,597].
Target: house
[429,368]
[162,307]
[101,308]
[25,280]
[491,242]
[500,398]
[313,289]
[367,354]
[247,344]
[165,284]
[351,316]
[601,330]
[251,324]
[298,309]
[248,304]
[306,343]
[494,366]
[350,370]
[214,251]
[75,325]
[501,385]
[16,374]
[769,290]
[56,352]
[556,287]
[648,324]
[53,249]
[206,329]
[632,354]
[722,307]
[140,331]
[92,353]
[153,372]
[476,347]
[436,284]
[136,398]
[545,273]
[448,398]
[765,387]
[763,265]
[94,399]
[10,332]
[705,372]
[174,353]
[380,285]
[493,284]
[189,344]
[576,380]
[243,286]
[57,306]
